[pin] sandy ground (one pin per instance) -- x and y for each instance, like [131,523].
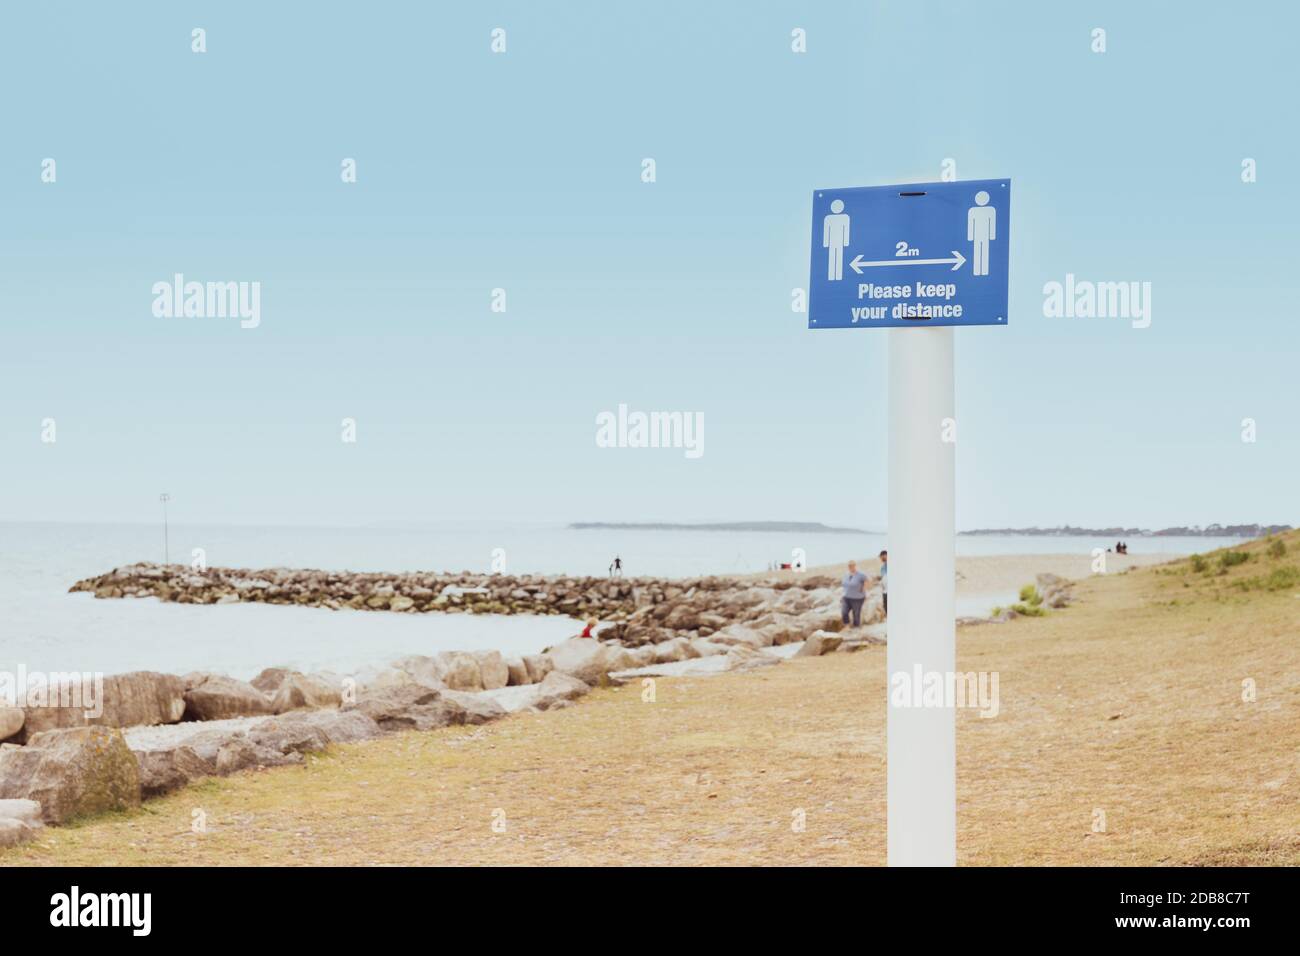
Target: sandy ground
[996,573]
[1124,737]
[984,581]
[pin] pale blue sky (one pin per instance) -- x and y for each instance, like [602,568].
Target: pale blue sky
[522,171]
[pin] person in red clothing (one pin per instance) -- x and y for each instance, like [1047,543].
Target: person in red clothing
[591,625]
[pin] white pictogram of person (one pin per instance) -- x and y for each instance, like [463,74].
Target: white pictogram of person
[835,237]
[981,229]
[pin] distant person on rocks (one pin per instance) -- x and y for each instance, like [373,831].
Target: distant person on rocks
[855,593]
[616,569]
[589,630]
[884,582]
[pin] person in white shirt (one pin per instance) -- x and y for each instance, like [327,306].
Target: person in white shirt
[884,581]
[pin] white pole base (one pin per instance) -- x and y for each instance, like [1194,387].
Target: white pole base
[922,740]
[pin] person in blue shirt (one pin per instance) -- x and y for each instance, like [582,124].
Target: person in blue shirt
[855,593]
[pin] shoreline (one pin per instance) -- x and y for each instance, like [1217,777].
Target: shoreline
[993,574]
[474,621]
[243,637]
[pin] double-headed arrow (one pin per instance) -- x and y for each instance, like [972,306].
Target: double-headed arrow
[858,265]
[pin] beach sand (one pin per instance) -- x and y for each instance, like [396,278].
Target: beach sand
[987,580]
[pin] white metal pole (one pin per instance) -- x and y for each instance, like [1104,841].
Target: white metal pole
[922,740]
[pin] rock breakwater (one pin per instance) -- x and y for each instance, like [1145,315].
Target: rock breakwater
[634,611]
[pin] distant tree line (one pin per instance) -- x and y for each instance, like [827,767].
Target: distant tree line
[1192,531]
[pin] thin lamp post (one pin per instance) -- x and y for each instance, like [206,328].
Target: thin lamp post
[164,498]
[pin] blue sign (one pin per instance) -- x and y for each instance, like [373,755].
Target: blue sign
[908,256]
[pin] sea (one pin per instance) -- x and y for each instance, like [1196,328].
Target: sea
[45,629]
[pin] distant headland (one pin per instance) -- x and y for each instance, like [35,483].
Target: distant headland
[816,527]
[1195,531]
[783,527]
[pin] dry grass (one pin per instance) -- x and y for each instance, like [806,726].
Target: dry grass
[1129,702]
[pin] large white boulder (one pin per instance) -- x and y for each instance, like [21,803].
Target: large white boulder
[518,671]
[16,832]
[299,691]
[703,647]
[11,721]
[72,772]
[478,707]
[370,679]
[217,697]
[408,706]
[493,670]
[819,643]
[556,690]
[162,771]
[736,659]
[538,666]
[742,634]
[461,670]
[641,656]
[139,698]
[28,811]
[677,649]
[588,660]
[20,822]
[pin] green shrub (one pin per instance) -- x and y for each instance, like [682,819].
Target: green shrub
[1279,579]
[1198,564]
[1282,579]
[1029,610]
[1277,549]
[1029,595]
[1232,558]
